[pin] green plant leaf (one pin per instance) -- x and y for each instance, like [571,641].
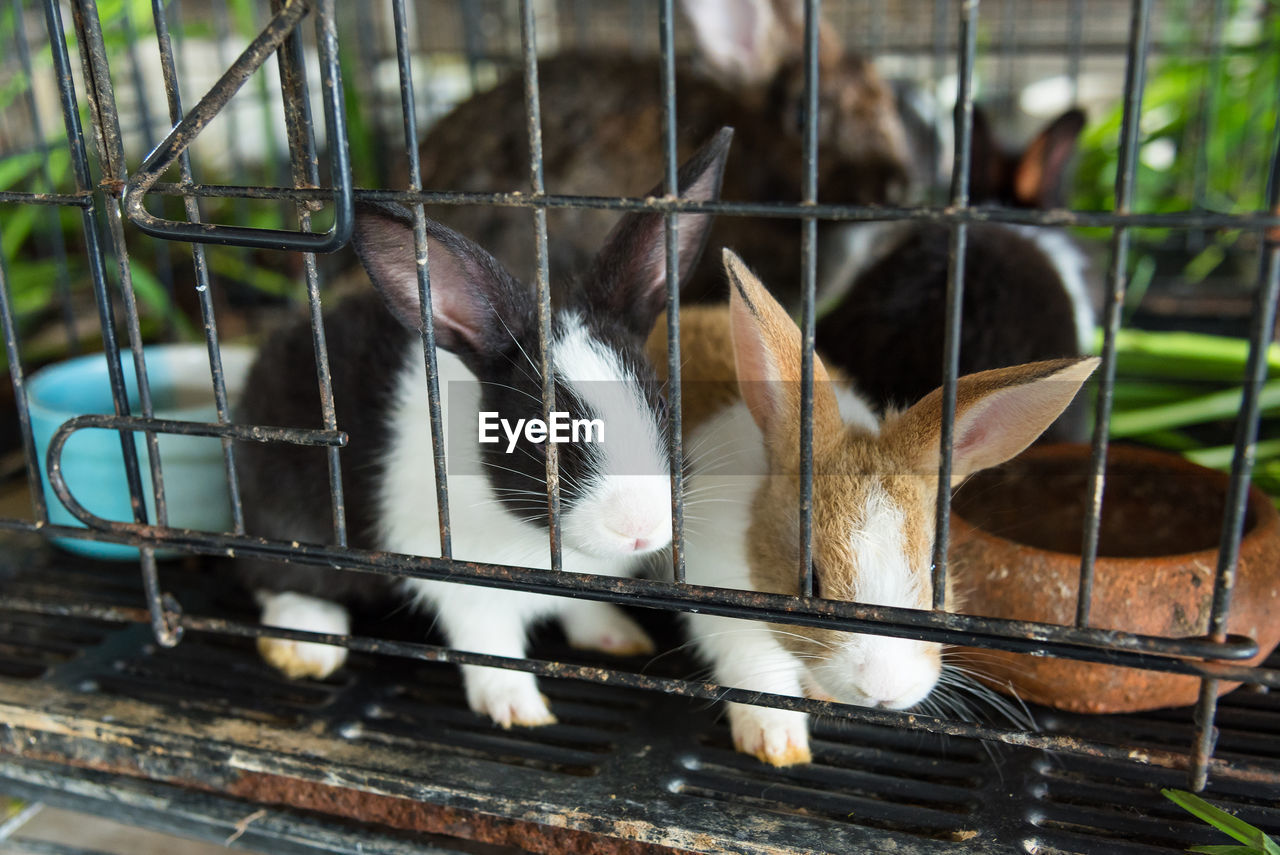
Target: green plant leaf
[1226,849]
[1204,408]
[14,169]
[1225,822]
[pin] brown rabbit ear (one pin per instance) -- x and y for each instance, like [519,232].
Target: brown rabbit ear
[747,41]
[998,414]
[767,351]
[1039,173]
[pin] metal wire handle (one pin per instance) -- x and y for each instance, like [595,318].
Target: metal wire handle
[281,26]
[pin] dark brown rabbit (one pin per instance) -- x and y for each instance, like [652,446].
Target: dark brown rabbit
[602,133]
[1025,292]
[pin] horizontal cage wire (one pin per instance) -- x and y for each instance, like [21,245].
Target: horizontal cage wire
[179,183]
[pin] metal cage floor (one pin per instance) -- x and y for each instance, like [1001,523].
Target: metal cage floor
[387,752]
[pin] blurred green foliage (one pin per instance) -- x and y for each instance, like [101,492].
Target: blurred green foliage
[1206,128]
[28,231]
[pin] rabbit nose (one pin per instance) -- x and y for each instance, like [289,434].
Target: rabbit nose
[639,513]
[638,530]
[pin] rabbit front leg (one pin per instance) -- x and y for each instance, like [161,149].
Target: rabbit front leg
[745,655]
[592,625]
[508,697]
[297,659]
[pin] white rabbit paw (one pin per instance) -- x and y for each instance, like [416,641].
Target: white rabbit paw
[507,697]
[777,737]
[606,628]
[298,659]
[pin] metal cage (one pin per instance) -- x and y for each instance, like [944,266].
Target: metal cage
[198,737]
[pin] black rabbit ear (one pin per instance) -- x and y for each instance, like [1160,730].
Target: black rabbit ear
[1038,177]
[628,279]
[987,172]
[478,308]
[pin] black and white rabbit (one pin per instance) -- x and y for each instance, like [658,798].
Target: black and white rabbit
[1026,296]
[616,494]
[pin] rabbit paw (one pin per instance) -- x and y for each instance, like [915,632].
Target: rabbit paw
[297,659]
[507,697]
[606,628]
[777,737]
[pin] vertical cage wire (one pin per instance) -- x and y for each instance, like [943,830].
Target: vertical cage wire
[306,173]
[107,131]
[954,296]
[808,280]
[1262,331]
[106,124]
[200,267]
[1117,281]
[410,116]
[279,160]
[671,186]
[324,377]
[231,116]
[146,126]
[93,247]
[51,231]
[533,121]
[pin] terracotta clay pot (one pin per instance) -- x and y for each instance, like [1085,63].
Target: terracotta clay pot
[1016,534]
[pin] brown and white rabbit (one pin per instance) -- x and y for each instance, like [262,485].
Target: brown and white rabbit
[1026,296]
[874,489]
[602,136]
[616,497]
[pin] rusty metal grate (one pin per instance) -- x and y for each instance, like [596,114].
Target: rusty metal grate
[615,759]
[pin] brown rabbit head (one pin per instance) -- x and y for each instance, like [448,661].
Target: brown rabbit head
[874,491]
[759,45]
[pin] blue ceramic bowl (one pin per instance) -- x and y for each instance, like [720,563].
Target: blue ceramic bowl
[93,461]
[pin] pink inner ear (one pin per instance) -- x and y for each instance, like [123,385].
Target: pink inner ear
[984,433]
[458,303]
[757,374]
[1002,424]
[974,436]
